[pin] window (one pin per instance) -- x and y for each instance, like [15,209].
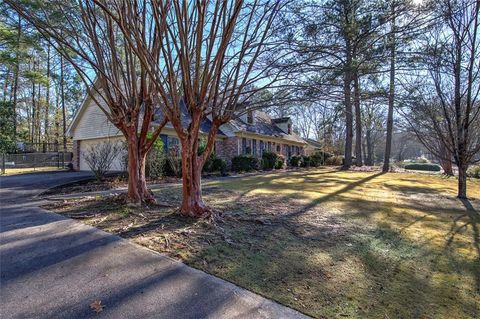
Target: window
[173,146]
[289,128]
[278,149]
[298,150]
[254,147]
[269,146]
[165,142]
[244,145]
[262,145]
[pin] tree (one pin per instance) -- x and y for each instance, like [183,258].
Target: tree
[447,122]
[207,61]
[90,40]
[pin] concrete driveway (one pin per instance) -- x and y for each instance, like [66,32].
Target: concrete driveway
[54,267]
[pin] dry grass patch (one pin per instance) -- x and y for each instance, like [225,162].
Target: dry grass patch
[330,244]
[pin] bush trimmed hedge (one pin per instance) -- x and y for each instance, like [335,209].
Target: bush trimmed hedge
[269,160]
[334,161]
[280,161]
[244,163]
[423,167]
[319,158]
[295,161]
[215,164]
[474,171]
[306,161]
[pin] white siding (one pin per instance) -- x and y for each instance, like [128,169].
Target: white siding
[93,123]
[85,145]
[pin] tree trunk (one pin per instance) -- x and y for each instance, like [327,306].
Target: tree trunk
[462,181]
[391,95]
[138,191]
[32,132]
[64,115]
[348,114]
[369,147]
[192,201]
[445,160]
[15,84]
[47,100]
[358,122]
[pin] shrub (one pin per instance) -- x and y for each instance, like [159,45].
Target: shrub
[334,161]
[244,163]
[423,167]
[99,157]
[269,160]
[155,163]
[215,164]
[306,161]
[172,166]
[280,161]
[295,161]
[319,158]
[474,171]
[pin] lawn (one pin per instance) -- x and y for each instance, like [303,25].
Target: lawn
[329,243]
[25,170]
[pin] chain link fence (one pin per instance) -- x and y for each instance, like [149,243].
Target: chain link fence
[36,160]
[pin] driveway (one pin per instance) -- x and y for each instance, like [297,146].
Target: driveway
[53,267]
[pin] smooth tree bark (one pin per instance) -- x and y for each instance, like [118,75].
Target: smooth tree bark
[204,67]
[91,41]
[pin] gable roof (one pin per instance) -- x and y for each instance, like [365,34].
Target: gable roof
[263,124]
[185,119]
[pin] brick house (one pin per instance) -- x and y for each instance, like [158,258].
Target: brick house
[252,133]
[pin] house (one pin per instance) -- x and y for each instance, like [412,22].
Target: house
[252,133]
[312,147]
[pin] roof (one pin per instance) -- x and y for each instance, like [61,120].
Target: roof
[185,119]
[314,143]
[281,120]
[264,125]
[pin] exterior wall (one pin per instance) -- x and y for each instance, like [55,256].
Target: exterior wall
[93,123]
[85,145]
[76,155]
[227,149]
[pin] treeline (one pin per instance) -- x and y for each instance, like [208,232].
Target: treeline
[363,71]
[40,89]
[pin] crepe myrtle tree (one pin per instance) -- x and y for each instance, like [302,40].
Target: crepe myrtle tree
[87,37]
[209,57]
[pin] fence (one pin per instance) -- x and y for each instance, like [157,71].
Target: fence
[34,160]
[42,147]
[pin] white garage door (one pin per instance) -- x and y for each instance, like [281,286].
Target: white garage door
[117,164]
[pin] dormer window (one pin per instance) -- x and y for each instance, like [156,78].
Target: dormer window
[289,128]
[250,117]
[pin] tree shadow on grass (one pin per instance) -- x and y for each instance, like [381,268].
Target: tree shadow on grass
[473,219]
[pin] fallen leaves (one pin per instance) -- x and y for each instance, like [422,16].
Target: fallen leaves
[97,306]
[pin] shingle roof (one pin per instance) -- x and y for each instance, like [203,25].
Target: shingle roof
[262,124]
[186,119]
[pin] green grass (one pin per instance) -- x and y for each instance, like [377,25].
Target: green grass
[328,243]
